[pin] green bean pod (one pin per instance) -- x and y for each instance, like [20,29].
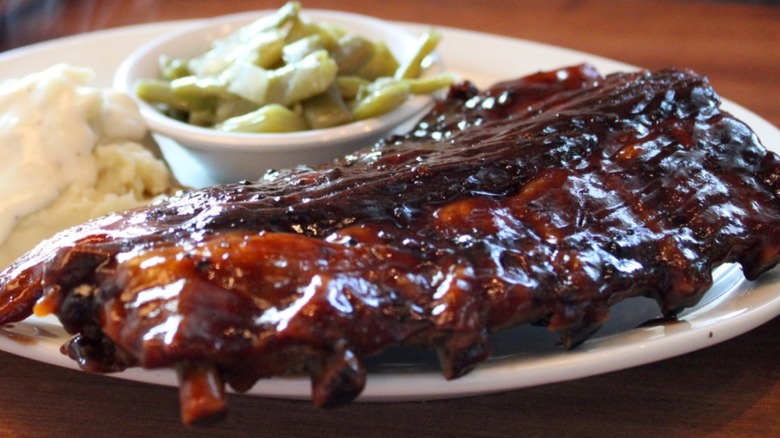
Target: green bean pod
[382,64]
[271,118]
[326,110]
[381,100]
[161,92]
[430,84]
[425,46]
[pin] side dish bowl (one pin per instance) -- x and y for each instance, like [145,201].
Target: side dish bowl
[234,156]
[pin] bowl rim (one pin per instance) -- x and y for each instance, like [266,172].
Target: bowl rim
[207,139]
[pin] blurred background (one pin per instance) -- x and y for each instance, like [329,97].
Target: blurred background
[23,22]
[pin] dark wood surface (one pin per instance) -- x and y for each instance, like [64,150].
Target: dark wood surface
[730,389]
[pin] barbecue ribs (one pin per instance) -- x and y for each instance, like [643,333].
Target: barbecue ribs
[541,200]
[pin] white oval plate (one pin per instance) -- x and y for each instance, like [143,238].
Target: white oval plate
[522,357]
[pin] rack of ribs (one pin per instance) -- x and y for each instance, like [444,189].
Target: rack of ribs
[541,200]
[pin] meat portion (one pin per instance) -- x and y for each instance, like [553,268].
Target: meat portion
[542,200]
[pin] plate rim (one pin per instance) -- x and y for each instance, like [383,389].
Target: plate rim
[490,377]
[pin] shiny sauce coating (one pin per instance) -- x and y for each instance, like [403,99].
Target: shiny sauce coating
[541,200]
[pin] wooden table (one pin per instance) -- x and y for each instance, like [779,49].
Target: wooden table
[731,389]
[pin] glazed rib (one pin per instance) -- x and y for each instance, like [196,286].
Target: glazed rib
[542,200]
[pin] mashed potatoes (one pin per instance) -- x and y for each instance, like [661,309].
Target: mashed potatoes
[68,153]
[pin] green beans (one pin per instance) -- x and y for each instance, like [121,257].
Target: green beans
[302,80]
[163,93]
[431,84]
[426,45]
[284,73]
[327,109]
[269,118]
[382,64]
[379,99]
[352,53]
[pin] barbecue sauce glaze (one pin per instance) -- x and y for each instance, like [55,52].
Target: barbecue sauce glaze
[541,200]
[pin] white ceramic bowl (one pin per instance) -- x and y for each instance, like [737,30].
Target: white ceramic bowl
[231,157]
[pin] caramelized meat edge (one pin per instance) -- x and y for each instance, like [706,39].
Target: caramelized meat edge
[541,200]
